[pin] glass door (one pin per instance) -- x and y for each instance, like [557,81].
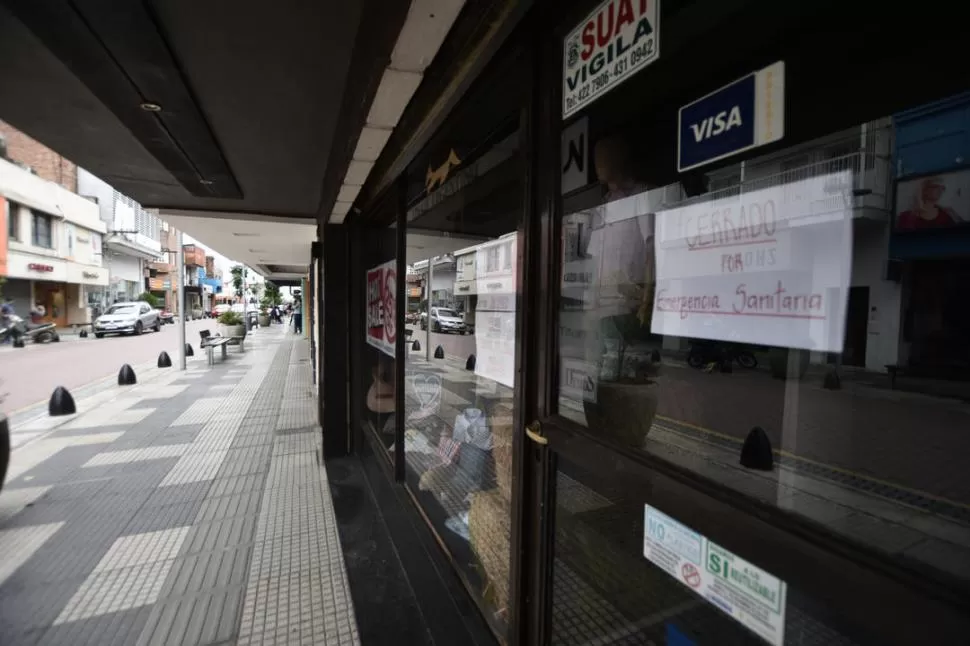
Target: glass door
[719,455]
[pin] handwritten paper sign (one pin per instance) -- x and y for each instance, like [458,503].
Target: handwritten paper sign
[769,267]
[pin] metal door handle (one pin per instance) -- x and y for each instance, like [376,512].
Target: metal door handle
[534,431]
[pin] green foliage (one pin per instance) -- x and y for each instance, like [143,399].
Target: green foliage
[272,292]
[230,318]
[151,299]
[238,277]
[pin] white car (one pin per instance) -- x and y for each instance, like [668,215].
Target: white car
[444,319]
[127,318]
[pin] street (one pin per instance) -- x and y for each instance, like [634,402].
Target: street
[456,346]
[29,375]
[911,441]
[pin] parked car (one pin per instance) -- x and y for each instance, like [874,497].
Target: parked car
[444,319]
[219,310]
[127,318]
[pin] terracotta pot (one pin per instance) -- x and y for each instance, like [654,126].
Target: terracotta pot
[623,411]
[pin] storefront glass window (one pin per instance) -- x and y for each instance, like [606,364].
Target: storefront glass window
[375,370]
[689,325]
[787,323]
[462,245]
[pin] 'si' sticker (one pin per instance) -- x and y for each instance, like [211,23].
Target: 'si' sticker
[750,595]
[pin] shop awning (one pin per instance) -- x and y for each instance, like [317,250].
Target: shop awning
[119,243]
[234,112]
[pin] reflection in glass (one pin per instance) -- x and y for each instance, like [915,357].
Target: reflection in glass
[605,591]
[460,373]
[374,369]
[770,302]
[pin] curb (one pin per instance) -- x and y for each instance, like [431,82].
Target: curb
[82,395]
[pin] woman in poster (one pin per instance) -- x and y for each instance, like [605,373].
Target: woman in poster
[926,211]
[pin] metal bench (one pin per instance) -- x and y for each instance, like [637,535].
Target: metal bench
[210,343]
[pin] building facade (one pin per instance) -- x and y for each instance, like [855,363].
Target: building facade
[54,247]
[194,280]
[609,200]
[38,158]
[132,241]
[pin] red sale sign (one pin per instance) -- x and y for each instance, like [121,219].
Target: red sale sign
[381,311]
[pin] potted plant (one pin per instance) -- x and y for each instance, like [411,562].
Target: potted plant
[231,324]
[626,398]
[263,318]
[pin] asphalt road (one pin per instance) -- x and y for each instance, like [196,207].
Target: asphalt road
[456,346]
[29,375]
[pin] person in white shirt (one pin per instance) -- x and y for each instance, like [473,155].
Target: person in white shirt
[620,248]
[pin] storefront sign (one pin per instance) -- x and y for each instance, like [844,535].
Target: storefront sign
[381,310]
[734,586]
[39,267]
[747,113]
[617,40]
[769,267]
[574,163]
[90,275]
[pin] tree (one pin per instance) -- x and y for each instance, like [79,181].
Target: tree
[238,277]
[272,292]
[151,299]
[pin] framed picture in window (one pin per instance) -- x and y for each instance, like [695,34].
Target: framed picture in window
[933,201]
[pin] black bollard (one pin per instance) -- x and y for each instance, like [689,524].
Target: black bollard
[19,343]
[189,352]
[61,403]
[439,353]
[126,376]
[832,380]
[83,334]
[164,361]
[416,345]
[4,447]
[727,366]
[655,356]
[756,452]
[470,364]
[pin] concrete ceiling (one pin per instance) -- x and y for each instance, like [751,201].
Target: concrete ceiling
[232,109]
[277,249]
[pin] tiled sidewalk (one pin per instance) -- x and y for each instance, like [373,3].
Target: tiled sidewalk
[190,509]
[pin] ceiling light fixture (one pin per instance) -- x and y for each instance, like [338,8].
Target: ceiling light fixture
[148,106]
[205,182]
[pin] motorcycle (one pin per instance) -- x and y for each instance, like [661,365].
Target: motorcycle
[705,353]
[20,331]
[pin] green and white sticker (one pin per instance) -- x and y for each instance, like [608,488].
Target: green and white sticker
[738,588]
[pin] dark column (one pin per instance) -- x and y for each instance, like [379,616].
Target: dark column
[334,341]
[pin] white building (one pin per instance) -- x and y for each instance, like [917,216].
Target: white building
[132,240]
[54,246]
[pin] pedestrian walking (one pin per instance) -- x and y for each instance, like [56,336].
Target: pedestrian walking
[298,318]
